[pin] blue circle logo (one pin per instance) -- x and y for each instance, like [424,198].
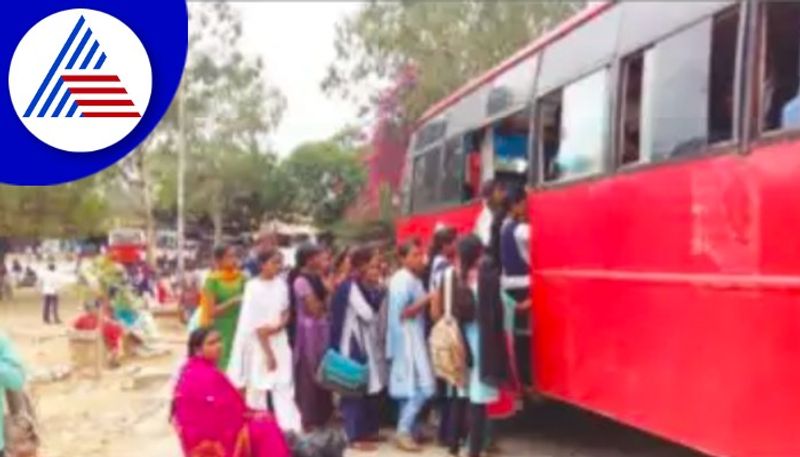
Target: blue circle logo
[87,83]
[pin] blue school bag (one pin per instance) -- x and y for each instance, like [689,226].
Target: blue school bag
[342,375]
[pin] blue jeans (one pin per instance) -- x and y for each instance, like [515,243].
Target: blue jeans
[409,410]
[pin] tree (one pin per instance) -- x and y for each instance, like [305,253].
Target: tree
[76,209]
[325,179]
[432,47]
[228,113]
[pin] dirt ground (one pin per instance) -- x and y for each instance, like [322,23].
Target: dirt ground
[81,416]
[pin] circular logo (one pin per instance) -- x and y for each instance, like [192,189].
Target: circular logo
[88,82]
[80,80]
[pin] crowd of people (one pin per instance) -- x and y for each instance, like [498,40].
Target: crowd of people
[276,349]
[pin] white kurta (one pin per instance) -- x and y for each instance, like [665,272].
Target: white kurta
[263,303]
[483,226]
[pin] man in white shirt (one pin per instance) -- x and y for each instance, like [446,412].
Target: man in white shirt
[50,284]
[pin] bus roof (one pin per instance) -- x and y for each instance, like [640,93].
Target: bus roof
[592,10]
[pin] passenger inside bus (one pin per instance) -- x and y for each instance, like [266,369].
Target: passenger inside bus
[550,119]
[781,62]
[722,73]
[511,144]
[631,109]
[472,165]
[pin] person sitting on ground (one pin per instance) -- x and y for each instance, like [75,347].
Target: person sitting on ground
[113,333]
[209,414]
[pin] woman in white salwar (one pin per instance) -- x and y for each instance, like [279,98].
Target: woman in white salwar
[261,359]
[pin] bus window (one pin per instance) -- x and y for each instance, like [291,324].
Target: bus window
[723,75]
[431,178]
[781,65]
[630,134]
[688,89]
[472,165]
[550,124]
[418,184]
[581,111]
[452,171]
[511,144]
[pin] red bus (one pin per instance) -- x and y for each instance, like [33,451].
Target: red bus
[662,157]
[127,245]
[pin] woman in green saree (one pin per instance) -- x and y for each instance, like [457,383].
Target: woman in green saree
[222,298]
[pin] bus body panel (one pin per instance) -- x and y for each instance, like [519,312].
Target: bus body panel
[669,299]
[422,226]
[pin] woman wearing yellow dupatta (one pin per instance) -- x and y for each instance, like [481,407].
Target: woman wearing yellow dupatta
[222,298]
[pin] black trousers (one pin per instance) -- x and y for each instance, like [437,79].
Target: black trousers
[467,420]
[50,307]
[522,338]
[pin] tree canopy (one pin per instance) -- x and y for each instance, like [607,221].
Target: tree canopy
[324,177]
[438,45]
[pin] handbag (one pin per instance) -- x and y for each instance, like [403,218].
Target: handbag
[448,351]
[342,375]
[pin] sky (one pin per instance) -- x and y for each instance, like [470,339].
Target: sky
[295,40]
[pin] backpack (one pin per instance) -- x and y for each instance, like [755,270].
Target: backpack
[447,347]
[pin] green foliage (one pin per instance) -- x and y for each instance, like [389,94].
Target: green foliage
[70,210]
[447,43]
[324,177]
[363,231]
[228,113]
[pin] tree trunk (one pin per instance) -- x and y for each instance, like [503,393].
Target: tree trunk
[216,218]
[150,223]
[146,190]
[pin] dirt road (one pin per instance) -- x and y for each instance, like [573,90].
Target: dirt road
[91,418]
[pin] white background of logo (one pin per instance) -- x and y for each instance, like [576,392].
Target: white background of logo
[34,56]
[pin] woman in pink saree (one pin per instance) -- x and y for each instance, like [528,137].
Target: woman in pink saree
[210,415]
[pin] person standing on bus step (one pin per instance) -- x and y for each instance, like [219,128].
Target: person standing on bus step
[515,246]
[515,281]
[492,193]
[221,301]
[50,283]
[411,380]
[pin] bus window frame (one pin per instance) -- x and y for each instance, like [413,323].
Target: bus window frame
[737,142]
[422,154]
[610,66]
[732,146]
[460,152]
[756,136]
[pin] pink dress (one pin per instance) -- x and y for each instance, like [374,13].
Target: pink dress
[212,420]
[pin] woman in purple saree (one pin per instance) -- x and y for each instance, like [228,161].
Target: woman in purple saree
[210,415]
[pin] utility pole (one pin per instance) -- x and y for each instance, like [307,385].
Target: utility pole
[181,183]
